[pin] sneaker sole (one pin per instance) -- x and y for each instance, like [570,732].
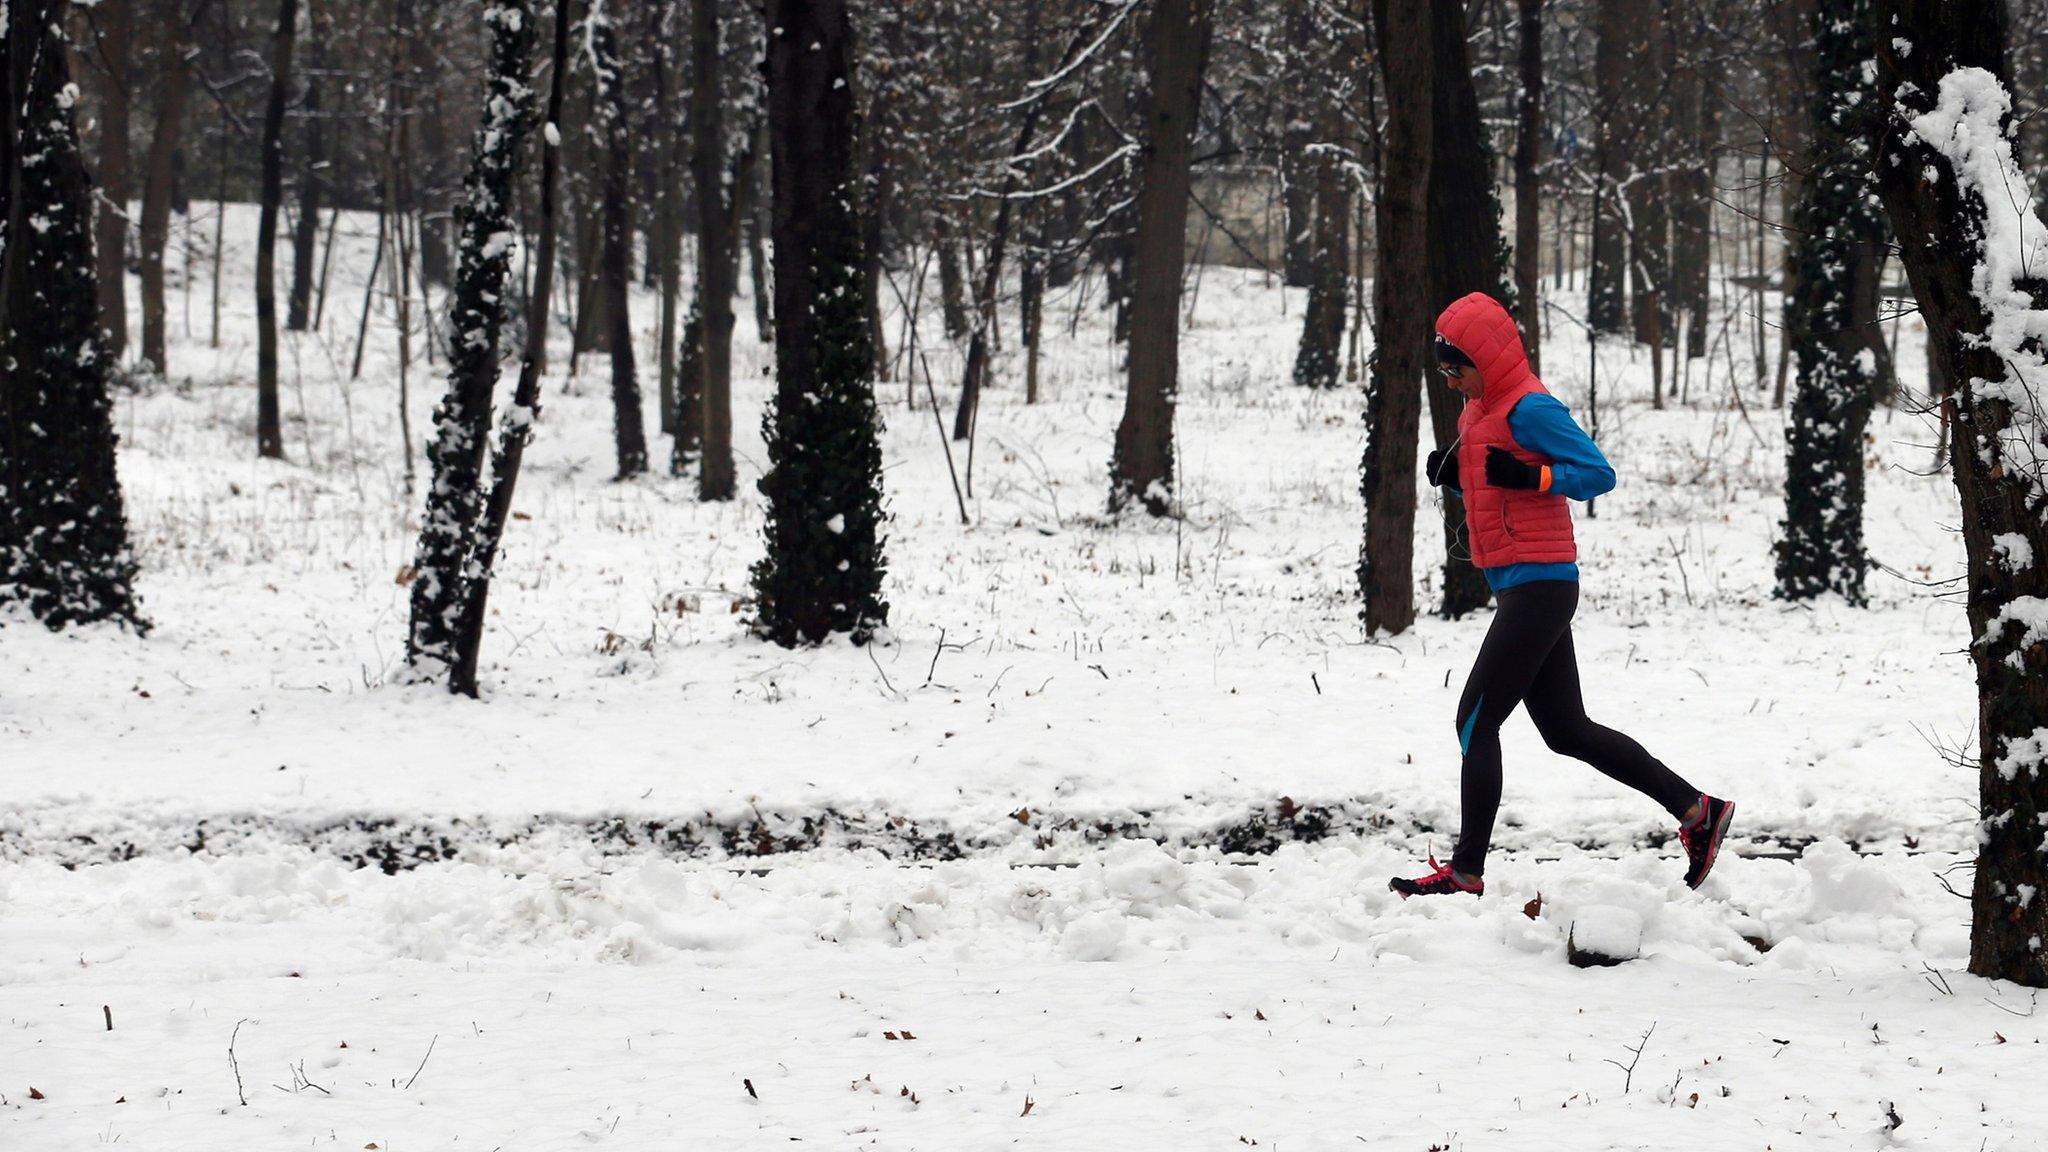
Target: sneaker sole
[1714,845]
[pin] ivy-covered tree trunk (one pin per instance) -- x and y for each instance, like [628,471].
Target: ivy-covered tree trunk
[1467,254]
[823,569]
[1973,245]
[711,318]
[63,533]
[448,528]
[1176,50]
[1386,560]
[614,131]
[516,426]
[1837,242]
[269,421]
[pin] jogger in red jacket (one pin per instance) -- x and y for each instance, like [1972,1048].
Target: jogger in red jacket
[1519,458]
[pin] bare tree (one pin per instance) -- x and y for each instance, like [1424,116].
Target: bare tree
[269,427]
[717,258]
[1176,48]
[114,23]
[159,169]
[1387,474]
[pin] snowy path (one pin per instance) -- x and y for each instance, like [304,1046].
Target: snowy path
[627,1008]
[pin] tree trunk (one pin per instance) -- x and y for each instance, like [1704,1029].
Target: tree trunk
[156,193]
[1466,254]
[667,239]
[517,427]
[63,533]
[952,284]
[717,264]
[1387,476]
[1939,210]
[756,211]
[115,20]
[1529,185]
[615,270]
[269,428]
[1031,316]
[1616,125]
[1692,190]
[1300,174]
[1322,321]
[879,185]
[306,236]
[1837,241]
[822,572]
[1176,50]
[448,548]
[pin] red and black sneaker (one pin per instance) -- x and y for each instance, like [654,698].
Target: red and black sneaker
[1702,838]
[1441,881]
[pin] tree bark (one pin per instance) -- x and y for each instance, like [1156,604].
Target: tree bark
[1938,213]
[717,263]
[156,191]
[1176,50]
[269,427]
[116,21]
[1387,475]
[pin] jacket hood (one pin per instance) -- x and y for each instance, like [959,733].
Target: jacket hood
[1483,330]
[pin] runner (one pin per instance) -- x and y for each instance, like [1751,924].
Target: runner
[1519,458]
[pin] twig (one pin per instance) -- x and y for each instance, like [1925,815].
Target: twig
[423,1062]
[1629,1069]
[944,442]
[235,1065]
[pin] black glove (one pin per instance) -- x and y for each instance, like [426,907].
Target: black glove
[1442,470]
[1504,471]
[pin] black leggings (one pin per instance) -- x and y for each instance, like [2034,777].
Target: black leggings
[1527,659]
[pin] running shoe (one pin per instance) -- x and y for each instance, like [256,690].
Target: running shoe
[1441,881]
[1702,838]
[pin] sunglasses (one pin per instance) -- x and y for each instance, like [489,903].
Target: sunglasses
[1451,371]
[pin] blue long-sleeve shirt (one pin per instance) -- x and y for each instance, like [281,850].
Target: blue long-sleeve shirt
[1578,471]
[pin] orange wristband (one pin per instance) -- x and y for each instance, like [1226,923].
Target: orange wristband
[1543,485]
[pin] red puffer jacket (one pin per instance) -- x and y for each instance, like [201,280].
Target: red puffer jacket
[1505,526]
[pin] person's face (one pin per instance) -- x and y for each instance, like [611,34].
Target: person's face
[1466,381]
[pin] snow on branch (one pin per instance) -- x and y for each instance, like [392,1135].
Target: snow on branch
[1044,84]
[1967,126]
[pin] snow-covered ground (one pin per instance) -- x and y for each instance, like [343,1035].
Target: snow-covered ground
[592,959]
